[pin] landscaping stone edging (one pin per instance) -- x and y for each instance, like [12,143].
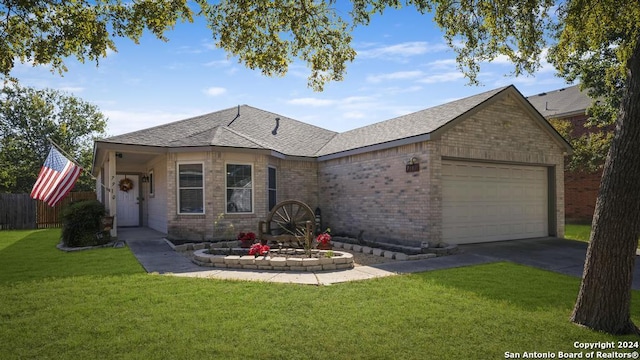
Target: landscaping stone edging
[380,252]
[341,261]
[200,257]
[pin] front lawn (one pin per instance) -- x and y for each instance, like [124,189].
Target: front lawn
[577,232]
[99,304]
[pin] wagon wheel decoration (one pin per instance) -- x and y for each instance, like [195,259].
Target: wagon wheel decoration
[125,184]
[291,217]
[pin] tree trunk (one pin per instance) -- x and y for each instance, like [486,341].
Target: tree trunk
[605,293]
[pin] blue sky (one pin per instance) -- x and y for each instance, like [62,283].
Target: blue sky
[403,65]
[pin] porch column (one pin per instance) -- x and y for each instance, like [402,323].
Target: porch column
[113,198]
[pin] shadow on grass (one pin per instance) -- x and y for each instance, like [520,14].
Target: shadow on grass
[32,255]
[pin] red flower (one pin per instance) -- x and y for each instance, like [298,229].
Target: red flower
[323,238]
[259,249]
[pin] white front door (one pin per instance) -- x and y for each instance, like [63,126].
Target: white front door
[128,209]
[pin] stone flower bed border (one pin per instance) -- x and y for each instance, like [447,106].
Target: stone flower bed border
[342,260]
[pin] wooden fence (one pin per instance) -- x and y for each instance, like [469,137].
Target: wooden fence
[19,211]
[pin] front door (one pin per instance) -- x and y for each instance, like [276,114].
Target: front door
[128,208]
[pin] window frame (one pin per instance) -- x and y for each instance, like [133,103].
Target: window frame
[151,184]
[270,189]
[178,188]
[226,187]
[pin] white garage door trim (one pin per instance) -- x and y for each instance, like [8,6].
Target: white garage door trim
[484,202]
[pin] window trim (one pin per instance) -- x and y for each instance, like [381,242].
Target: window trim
[226,188]
[178,188]
[269,189]
[151,183]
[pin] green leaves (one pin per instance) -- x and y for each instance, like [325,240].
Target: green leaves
[27,118]
[589,149]
[268,35]
[482,30]
[48,31]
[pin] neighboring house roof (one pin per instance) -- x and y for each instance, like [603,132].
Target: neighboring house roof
[251,128]
[561,103]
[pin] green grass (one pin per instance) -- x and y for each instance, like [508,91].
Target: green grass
[99,304]
[577,232]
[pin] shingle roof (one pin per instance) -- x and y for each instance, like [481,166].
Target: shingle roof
[253,128]
[561,102]
[259,129]
[406,126]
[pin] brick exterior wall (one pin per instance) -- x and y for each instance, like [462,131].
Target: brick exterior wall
[505,132]
[295,179]
[581,191]
[371,192]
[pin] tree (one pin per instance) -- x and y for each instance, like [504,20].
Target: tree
[28,117]
[589,149]
[48,31]
[585,39]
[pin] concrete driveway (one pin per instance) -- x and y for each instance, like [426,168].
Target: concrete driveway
[553,254]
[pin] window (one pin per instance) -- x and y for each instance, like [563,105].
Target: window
[271,188]
[190,189]
[239,188]
[151,187]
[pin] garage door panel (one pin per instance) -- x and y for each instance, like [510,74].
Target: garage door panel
[491,202]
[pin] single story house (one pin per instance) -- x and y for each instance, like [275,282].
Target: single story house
[484,168]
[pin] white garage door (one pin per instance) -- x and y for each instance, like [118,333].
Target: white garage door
[490,202]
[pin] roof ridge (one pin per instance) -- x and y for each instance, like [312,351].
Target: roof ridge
[236,132]
[449,103]
[214,130]
[319,151]
[290,118]
[171,123]
[421,122]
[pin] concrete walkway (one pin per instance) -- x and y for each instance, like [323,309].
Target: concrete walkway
[552,254]
[156,256]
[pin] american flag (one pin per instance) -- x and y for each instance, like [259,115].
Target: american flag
[57,177]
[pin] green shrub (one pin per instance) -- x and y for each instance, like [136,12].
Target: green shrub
[81,221]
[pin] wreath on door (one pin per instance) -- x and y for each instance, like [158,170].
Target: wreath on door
[126,184]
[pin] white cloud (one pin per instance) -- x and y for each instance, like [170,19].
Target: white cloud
[442,64]
[401,50]
[354,115]
[71,89]
[402,89]
[443,77]
[219,63]
[215,91]
[127,121]
[357,99]
[315,102]
[399,75]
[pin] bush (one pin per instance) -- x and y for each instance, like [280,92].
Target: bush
[81,221]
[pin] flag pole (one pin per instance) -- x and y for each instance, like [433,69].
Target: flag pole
[71,158]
